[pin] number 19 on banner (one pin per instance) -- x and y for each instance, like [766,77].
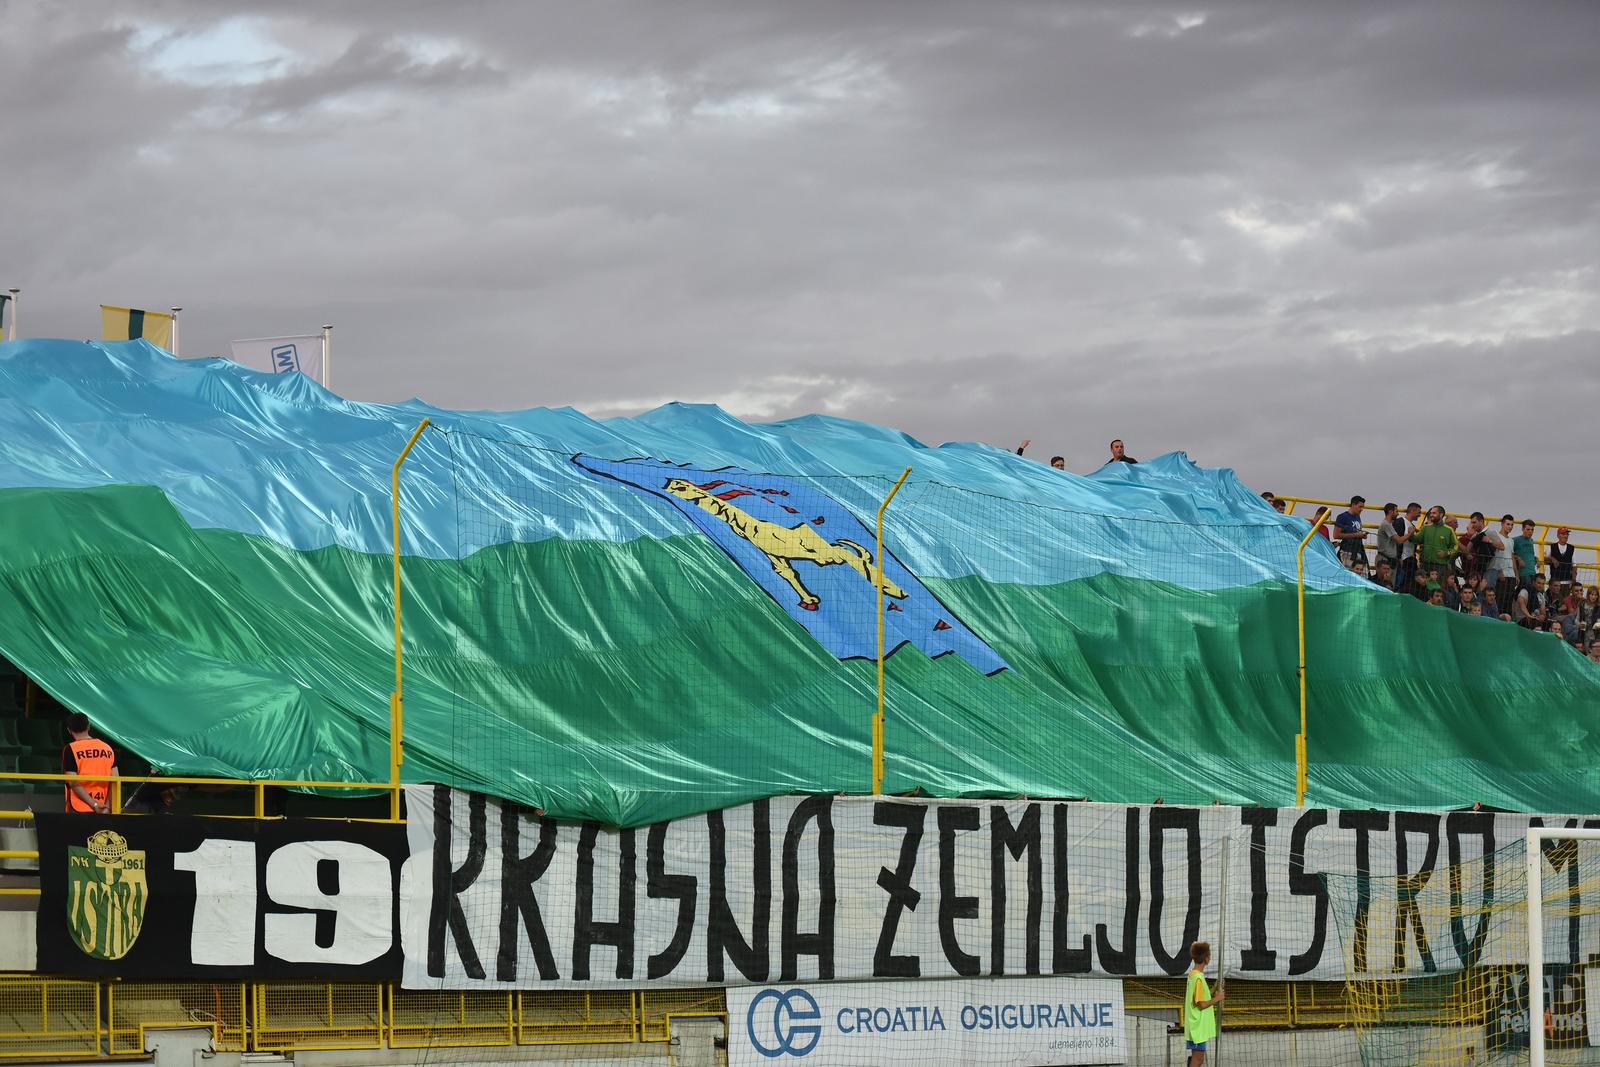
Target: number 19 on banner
[327,902]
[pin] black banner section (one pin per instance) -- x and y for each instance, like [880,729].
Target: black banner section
[182,898]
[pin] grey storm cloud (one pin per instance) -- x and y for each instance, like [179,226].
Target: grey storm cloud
[1338,247]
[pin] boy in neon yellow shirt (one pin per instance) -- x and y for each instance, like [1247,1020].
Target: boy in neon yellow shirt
[1199,1006]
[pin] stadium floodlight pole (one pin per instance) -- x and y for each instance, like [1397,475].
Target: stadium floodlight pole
[1537,835]
[14,293]
[396,710]
[877,562]
[1300,769]
[327,355]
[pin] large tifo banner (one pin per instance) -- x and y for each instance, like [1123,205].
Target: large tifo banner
[1034,1021]
[802,889]
[174,897]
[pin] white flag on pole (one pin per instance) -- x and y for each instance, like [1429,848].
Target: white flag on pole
[282,355]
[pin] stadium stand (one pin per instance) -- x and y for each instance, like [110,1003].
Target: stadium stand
[596,642]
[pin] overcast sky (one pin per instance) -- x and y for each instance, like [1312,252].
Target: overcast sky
[1339,247]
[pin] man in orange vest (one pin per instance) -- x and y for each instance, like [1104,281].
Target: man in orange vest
[87,756]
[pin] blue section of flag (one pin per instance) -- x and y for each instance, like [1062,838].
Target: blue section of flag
[809,554]
[279,456]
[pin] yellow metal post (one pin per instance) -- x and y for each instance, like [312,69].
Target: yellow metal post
[877,563]
[1300,773]
[396,712]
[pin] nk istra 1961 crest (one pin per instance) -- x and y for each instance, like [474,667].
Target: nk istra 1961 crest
[106,895]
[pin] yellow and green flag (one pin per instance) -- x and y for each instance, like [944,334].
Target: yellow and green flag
[127,324]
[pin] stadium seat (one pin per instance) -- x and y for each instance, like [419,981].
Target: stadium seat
[10,743]
[8,785]
[43,736]
[37,764]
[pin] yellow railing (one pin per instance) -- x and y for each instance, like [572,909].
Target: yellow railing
[877,719]
[432,1018]
[396,701]
[1546,530]
[55,1018]
[1253,1005]
[49,1018]
[1300,768]
[133,1008]
[299,1016]
[45,1017]
[602,1017]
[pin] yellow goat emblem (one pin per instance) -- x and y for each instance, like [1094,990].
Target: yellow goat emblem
[785,545]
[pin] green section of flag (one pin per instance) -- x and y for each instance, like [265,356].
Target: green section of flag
[637,681]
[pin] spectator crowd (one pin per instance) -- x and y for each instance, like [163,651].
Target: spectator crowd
[1491,568]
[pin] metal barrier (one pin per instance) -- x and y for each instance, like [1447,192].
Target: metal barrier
[560,1018]
[54,1017]
[44,1017]
[292,1016]
[48,1017]
[135,1007]
[425,1018]
[1546,534]
[657,1009]
[1252,1005]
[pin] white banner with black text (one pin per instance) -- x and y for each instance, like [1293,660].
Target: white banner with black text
[803,889]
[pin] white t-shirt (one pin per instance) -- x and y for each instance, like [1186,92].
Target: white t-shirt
[1408,525]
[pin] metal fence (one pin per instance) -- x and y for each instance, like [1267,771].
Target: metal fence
[56,1018]
[52,1018]
[1585,540]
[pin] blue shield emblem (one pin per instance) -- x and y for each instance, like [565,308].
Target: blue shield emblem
[809,554]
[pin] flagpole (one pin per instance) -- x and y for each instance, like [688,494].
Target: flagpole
[14,293]
[327,355]
[175,330]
